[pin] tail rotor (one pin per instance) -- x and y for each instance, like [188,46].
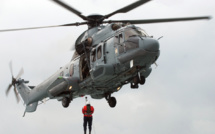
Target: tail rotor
[14,82]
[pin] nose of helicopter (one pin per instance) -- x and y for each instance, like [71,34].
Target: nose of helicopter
[145,52]
[150,45]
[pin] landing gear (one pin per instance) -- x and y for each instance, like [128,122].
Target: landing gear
[134,83]
[142,80]
[137,80]
[65,102]
[111,100]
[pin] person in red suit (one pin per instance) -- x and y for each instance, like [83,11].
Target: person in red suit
[88,118]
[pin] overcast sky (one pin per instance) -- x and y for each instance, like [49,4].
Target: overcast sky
[178,97]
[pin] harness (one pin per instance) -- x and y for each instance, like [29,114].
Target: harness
[89,112]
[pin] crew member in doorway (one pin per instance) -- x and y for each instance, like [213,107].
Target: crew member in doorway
[88,118]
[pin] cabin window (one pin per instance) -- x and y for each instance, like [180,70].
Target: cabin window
[93,55]
[99,52]
[120,39]
[71,70]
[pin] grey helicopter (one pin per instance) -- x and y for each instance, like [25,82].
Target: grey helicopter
[108,55]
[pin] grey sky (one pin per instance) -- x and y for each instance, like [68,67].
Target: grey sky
[178,96]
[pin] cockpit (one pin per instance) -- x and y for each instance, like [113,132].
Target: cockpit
[128,39]
[129,32]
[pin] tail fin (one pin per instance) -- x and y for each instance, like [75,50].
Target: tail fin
[24,91]
[31,107]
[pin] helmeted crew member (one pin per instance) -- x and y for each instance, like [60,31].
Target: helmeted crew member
[88,118]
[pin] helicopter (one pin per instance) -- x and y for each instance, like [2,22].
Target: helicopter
[106,58]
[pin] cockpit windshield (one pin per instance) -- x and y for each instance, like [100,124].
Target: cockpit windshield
[135,32]
[142,32]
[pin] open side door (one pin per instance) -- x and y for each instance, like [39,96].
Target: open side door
[84,67]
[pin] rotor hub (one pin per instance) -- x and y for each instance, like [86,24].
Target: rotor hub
[94,20]
[95,17]
[13,81]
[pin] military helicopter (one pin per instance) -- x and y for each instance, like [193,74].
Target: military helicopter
[106,58]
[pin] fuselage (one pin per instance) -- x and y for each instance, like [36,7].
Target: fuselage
[114,59]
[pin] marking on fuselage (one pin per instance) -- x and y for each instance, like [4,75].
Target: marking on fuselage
[116,50]
[131,63]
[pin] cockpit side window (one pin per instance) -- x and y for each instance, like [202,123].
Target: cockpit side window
[119,41]
[120,38]
[121,44]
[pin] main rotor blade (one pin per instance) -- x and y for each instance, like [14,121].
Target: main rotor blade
[70,9]
[20,74]
[127,8]
[30,28]
[8,89]
[158,20]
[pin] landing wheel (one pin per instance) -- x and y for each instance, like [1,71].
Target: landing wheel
[133,85]
[142,80]
[65,102]
[135,82]
[112,102]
